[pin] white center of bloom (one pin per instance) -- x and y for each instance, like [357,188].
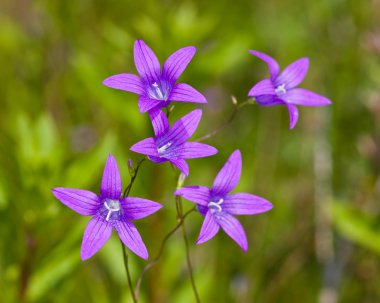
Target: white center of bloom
[112,206]
[161,150]
[159,90]
[280,90]
[215,207]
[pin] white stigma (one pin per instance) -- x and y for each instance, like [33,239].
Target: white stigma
[280,90]
[163,148]
[215,206]
[112,206]
[159,93]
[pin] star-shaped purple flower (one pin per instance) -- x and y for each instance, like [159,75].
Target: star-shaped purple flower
[169,143]
[281,89]
[156,87]
[109,211]
[218,206]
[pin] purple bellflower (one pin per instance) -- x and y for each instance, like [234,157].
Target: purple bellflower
[109,211]
[218,206]
[169,143]
[156,87]
[280,88]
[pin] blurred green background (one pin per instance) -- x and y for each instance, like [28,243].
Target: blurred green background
[320,243]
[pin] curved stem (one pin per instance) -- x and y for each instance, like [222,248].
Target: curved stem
[161,250]
[125,257]
[237,107]
[133,177]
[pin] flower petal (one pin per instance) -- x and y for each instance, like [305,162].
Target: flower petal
[273,66]
[157,159]
[181,164]
[82,201]
[197,150]
[128,233]
[197,194]
[146,147]
[264,87]
[111,183]
[146,104]
[146,62]
[300,96]
[268,100]
[233,228]
[183,92]
[128,82]
[138,208]
[293,115]
[159,121]
[294,73]
[97,233]
[184,128]
[209,229]
[177,62]
[229,176]
[245,204]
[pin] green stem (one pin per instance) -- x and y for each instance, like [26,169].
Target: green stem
[125,257]
[134,175]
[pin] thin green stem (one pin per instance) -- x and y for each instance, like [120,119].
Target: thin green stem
[133,178]
[125,257]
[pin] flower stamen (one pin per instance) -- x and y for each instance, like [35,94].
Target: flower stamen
[112,207]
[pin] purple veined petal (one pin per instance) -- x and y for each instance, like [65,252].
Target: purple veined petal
[183,92]
[233,229]
[138,208]
[177,62]
[131,237]
[157,159]
[264,87]
[147,104]
[273,66]
[245,204]
[268,100]
[197,150]
[128,82]
[209,229]
[293,115]
[146,147]
[229,176]
[300,96]
[184,128]
[294,73]
[82,201]
[97,233]
[181,164]
[146,62]
[159,121]
[197,194]
[111,183]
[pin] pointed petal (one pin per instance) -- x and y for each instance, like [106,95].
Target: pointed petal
[138,208]
[181,164]
[273,66]
[183,92]
[131,238]
[146,62]
[128,82]
[233,229]
[184,128]
[293,115]
[146,104]
[82,201]
[264,87]
[97,233]
[245,204]
[300,96]
[111,182]
[294,73]
[146,147]
[229,176]
[209,229]
[197,194]
[159,121]
[177,62]
[197,150]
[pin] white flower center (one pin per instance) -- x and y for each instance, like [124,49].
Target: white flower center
[280,90]
[215,207]
[161,150]
[159,90]
[112,206]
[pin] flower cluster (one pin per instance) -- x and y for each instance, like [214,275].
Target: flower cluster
[157,87]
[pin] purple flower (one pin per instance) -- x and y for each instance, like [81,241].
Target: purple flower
[169,143]
[156,87]
[109,211]
[217,205]
[281,89]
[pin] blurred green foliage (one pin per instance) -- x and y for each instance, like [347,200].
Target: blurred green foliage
[58,123]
